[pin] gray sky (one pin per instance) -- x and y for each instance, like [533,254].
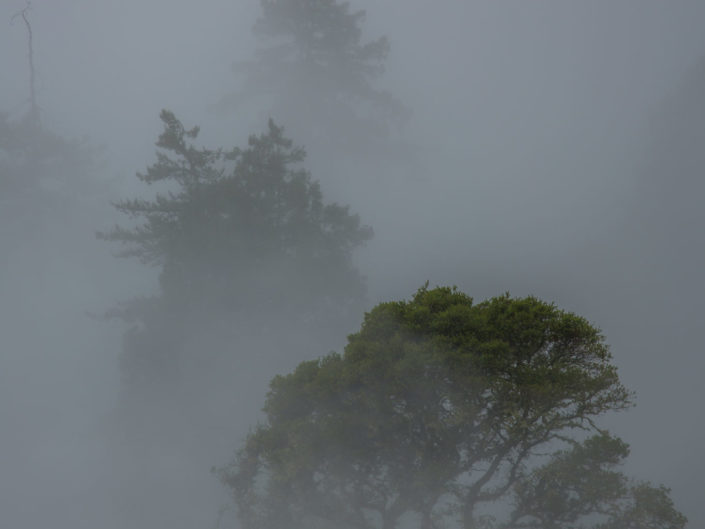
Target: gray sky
[530,133]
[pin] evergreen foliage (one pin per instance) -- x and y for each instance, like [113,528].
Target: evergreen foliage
[318,71]
[240,234]
[32,156]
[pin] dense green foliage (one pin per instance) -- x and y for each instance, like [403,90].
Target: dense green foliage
[238,234]
[445,411]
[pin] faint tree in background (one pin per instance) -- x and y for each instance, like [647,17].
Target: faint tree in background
[445,413]
[240,236]
[33,115]
[31,154]
[317,72]
[38,166]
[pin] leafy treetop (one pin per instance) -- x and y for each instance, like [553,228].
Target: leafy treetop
[445,411]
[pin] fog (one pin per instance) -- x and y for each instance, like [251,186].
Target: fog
[549,148]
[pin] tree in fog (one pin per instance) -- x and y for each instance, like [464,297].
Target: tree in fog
[32,156]
[36,164]
[317,71]
[242,235]
[45,180]
[442,412]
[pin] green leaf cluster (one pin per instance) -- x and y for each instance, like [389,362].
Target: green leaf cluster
[442,411]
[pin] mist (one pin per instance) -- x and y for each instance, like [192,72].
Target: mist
[545,148]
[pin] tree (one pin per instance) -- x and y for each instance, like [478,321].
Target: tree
[46,182]
[317,70]
[33,115]
[238,234]
[440,413]
[34,159]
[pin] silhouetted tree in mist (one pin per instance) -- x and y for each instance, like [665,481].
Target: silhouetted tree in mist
[46,180]
[32,156]
[446,413]
[33,115]
[37,164]
[40,171]
[317,73]
[241,237]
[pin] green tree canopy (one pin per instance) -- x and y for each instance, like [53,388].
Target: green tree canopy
[442,412]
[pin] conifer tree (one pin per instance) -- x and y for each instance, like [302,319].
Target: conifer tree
[318,71]
[239,235]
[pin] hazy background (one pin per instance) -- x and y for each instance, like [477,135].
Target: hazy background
[554,149]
